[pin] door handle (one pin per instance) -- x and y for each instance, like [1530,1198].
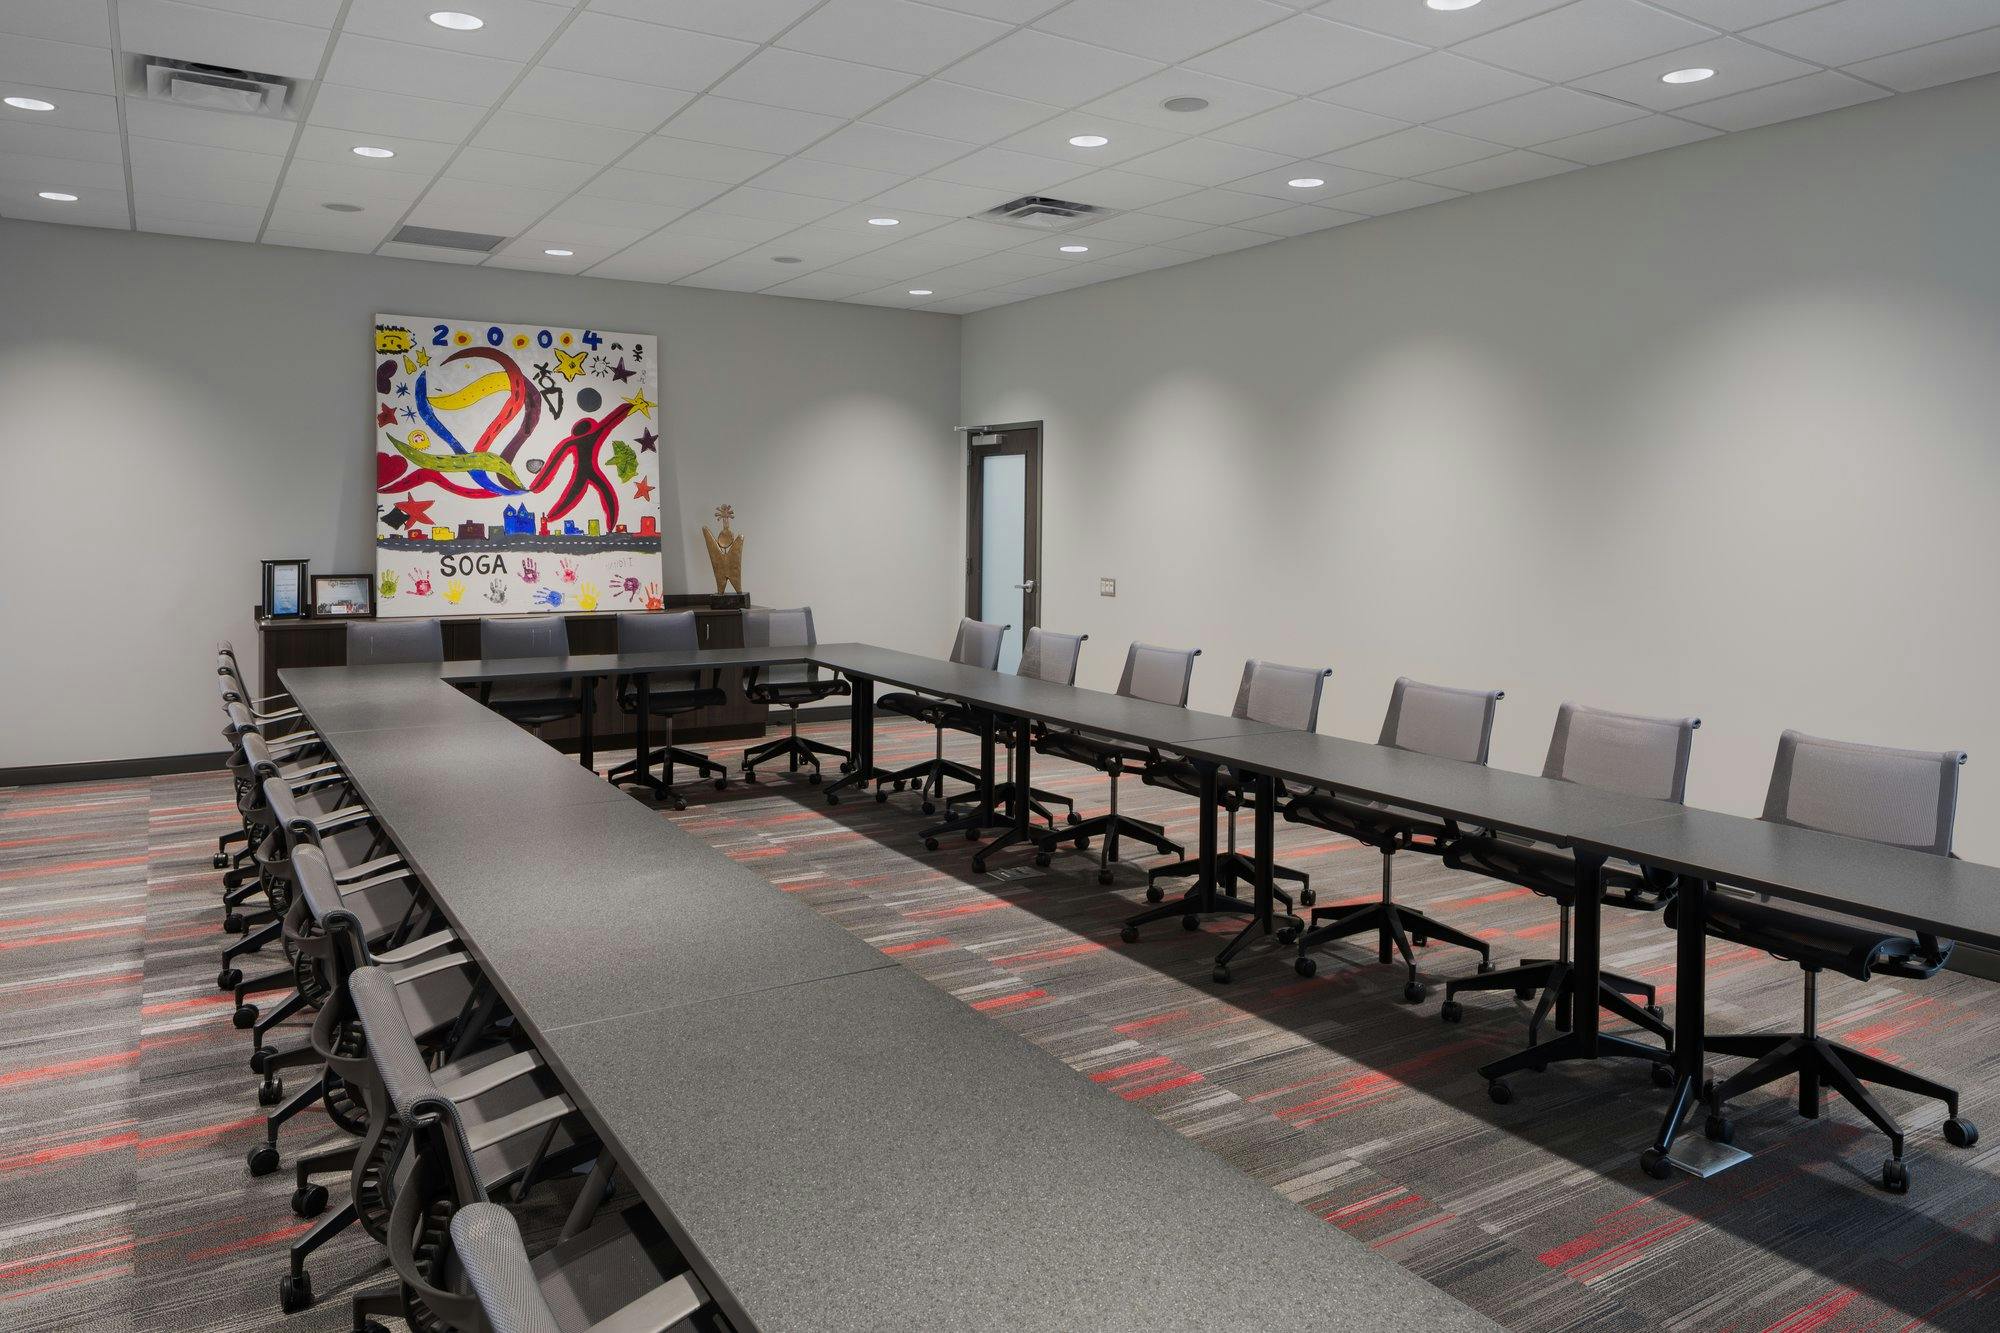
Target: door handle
[1029,586]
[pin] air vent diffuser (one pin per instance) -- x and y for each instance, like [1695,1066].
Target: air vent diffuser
[213,87]
[1042,214]
[447,240]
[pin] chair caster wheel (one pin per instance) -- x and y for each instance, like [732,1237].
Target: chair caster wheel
[1499,1092]
[1307,897]
[930,807]
[1524,992]
[263,1160]
[309,1200]
[881,796]
[1042,859]
[233,923]
[1960,1132]
[1221,975]
[1130,934]
[270,1092]
[833,798]
[1452,1012]
[1305,966]
[1663,1076]
[978,865]
[1655,1164]
[898,786]
[260,1059]
[722,784]
[229,978]
[930,844]
[749,779]
[813,777]
[1414,992]
[245,1016]
[1104,876]
[1074,818]
[1083,844]
[220,860]
[1288,935]
[1895,1176]
[972,835]
[680,803]
[1656,1011]
[295,1292]
[1720,1129]
[1190,922]
[1154,893]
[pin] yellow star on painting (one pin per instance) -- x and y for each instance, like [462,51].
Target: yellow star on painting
[568,365]
[642,404]
[423,357]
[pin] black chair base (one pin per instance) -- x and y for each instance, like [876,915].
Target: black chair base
[1113,828]
[1233,870]
[927,779]
[629,774]
[1039,802]
[1554,982]
[1395,927]
[796,751]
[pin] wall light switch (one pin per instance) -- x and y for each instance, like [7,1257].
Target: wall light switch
[1107,587]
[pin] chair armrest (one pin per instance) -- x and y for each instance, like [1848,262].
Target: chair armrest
[345,817]
[415,949]
[516,1123]
[350,887]
[488,1077]
[326,768]
[370,869]
[658,1310]
[403,976]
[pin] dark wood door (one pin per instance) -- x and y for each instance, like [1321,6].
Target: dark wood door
[1003,547]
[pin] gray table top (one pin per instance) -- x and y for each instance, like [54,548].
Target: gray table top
[871,1155]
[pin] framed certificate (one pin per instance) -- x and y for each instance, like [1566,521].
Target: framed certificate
[284,589]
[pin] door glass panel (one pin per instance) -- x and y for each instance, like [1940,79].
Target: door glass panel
[1003,553]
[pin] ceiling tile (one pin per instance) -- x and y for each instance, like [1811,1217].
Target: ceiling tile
[1123,189]
[414,157]
[1430,87]
[828,180]
[394,67]
[515,29]
[961,305]
[649,189]
[1007,11]
[1221,240]
[1585,37]
[774,205]
[86,22]
[918,39]
[1214,206]
[736,227]
[1300,220]
[1630,139]
[663,256]
[31,168]
[1004,169]
[1139,228]
[825,286]
[956,112]
[747,20]
[495,167]
[312,13]
[1161,29]
[59,141]
[880,148]
[1052,138]
[736,276]
[602,44]
[617,103]
[1738,67]
[1736,15]
[1047,68]
[1537,117]
[1304,54]
[592,240]
[365,111]
[74,110]
[1852,30]
[1506,169]
[56,65]
[1228,100]
[1824,91]
[306,202]
[1393,197]
[469,205]
[978,237]
[241,41]
[702,161]
[528,257]
[94,208]
[812,83]
[615,212]
[339,182]
[154,208]
[431,254]
[948,197]
[546,137]
[214,231]
[1205,162]
[1941,62]
[1277,185]
[1307,128]
[768,129]
[1413,152]
[227,162]
[1419,23]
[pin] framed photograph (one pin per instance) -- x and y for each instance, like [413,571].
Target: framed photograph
[342,596]
[285,589]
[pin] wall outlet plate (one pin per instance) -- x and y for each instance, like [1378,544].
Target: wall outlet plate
[1107,587]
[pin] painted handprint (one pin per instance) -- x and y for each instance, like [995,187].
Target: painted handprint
[530,571]
[547,597]
[587,597]
[420,583]
[496,591]
[454,591]
[388,584]
[626,586]
[653,602]
[568,571]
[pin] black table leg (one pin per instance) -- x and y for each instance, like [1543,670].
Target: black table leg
[982,815]
[1264,855]
[1200,896]
[1020,811]
[586,749]
[1690,1021]
[860,741]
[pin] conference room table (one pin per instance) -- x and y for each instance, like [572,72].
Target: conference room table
[834,1143]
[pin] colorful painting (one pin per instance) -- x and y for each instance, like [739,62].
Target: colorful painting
[516,469]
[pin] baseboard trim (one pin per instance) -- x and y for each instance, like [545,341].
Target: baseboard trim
[1976,962]
[153,766]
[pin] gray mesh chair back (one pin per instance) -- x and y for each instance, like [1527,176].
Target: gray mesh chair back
[1439,720]
[1622,752]
[1283,696]
[1906,798]
[792,628]
[1046,655]
[978,643]
[661,632]
[1160,675]
[380,642]
[523,636]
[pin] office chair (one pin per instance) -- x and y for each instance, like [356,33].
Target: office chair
[1045,655]
[1621,752]
[533,704]
[619,1275]
[668,695]
[1426,719]
[1905,798]
[1283,696]
[381,642]
[977,644]
[787,686]
[1160,675]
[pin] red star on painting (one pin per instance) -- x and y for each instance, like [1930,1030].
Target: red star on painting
[416,511]
[647,440]
[386,416]
[643,489]
[620,373]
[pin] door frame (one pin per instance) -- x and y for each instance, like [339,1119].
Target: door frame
[1031,604]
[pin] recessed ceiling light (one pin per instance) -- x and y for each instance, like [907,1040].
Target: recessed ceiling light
[1305,183]
[786,259]
[885,222]
[341,208]
[1186,104]
[559,254]
[58,196]
[1449,5]
[364,150]
[457,22]
[920,291]
[1074,249]
[1695,75]
[1087,141]
[30,104]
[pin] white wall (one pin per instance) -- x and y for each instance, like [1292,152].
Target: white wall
[172,411]
[1714,431]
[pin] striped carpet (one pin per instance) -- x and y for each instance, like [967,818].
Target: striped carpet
[127,1108]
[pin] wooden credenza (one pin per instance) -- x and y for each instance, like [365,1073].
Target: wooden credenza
[306,643]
